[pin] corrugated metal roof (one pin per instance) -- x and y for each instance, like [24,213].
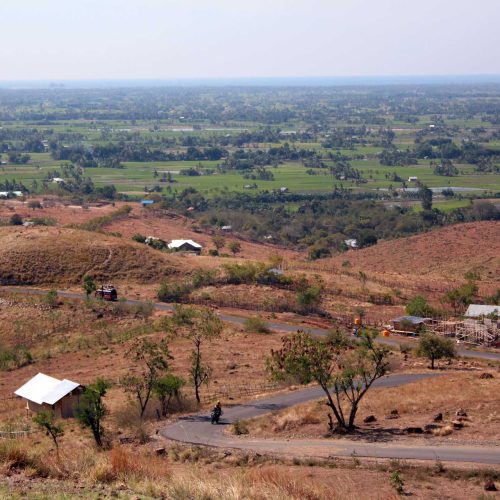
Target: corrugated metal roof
[475,310]
[45,389]
[62,389]
[411,319]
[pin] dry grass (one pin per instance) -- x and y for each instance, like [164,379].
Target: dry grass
[417,404]
[201,474]
[440,256]
[50,255]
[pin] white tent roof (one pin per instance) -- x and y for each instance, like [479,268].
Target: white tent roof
[475,310]
[44,389]
[179,243]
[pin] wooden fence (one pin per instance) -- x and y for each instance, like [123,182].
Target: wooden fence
[17,434]
[236,391]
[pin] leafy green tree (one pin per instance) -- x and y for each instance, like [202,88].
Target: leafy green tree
[425,195]
[91,410]
[89,285]
[154,357]
[166,388]
[459,298]
[344,372]
[445,168]
[418,306]
[366,238]
[435,347]
[46,420]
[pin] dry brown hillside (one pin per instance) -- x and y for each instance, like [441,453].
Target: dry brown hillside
[445,253]
[43,255]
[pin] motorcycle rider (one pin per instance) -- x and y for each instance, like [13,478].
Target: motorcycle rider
[217,411]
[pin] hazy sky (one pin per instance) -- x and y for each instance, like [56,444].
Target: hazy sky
[123,39]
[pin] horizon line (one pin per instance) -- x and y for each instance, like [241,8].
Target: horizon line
[256,80]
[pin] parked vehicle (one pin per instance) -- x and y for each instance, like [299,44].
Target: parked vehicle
[107,292]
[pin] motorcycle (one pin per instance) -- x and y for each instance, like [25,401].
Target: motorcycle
[215,415]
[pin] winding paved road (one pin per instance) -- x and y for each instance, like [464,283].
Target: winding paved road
[197,429]
[284,327]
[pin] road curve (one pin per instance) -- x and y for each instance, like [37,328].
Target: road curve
[273,325]
[197,429]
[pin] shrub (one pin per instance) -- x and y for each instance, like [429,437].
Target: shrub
[144,309]
[173,292]
[397,482]
[51,298]
[319,252]
[308,300]
[246,273]
[98,223]
[43,221]
[256,324]
[235,247]
[15,455]
[140,238]
[16,220]
[239,428]
[213,252]
[15,358]
[204,277]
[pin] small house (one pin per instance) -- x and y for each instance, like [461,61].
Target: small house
[146,203]
[412,178]
[58,180]
[283,190]
[227,229]
[189,246]
[478,310]
[48,393]
[409,324]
